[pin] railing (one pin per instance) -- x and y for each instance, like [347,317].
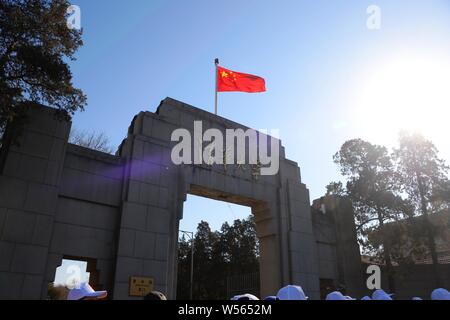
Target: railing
[245,283]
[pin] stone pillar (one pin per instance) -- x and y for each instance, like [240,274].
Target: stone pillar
[147,228]
[269,245]
[296,221]
[336,230]
[28,196]
[347,247]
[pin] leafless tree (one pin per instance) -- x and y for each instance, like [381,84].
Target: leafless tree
[91,139]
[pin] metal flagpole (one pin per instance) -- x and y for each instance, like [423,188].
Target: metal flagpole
[217,78]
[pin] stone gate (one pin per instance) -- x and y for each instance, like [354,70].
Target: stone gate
[121,213]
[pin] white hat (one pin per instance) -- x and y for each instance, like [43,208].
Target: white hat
[335,295]
[85,291]
[381,295]
[366,298]
[291,293]
[417,298]
[440,294]
[246,296]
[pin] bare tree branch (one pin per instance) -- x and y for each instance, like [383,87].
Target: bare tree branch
[91,140]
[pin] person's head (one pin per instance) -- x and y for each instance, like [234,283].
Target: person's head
[85,292]
[155,295]
[271,298]
[380,294]
[291,292]
[366,298]
[440,294]
[335,295]
[244,297]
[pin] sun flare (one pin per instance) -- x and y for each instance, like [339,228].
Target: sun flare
[405,93]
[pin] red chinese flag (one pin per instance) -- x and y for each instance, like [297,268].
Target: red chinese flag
[228,80]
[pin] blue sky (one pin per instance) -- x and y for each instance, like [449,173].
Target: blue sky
[329,77]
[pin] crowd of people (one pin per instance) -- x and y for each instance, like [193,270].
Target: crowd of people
[290,292]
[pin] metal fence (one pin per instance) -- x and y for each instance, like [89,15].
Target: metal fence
[244,283]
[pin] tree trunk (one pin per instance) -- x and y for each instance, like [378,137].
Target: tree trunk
[4,148]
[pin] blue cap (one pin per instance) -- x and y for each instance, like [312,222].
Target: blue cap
[291,293]
[380,294]
[440,294]
[246,296]
[84,291]
[335,295]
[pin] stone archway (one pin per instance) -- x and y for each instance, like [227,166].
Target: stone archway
[155,188]
[123,210]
